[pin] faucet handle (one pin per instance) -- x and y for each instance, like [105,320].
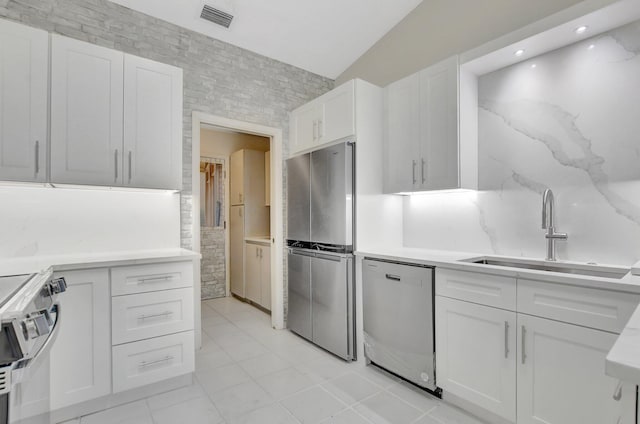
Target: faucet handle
[557,236]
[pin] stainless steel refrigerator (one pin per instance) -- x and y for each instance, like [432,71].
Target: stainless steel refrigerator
[320,234]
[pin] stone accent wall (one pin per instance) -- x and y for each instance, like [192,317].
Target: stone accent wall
[219,78]
[213,264]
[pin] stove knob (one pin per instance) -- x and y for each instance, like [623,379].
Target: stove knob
[58,285]
[30,329]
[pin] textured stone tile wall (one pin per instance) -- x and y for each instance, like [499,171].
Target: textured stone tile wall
[213,264]
[219,78]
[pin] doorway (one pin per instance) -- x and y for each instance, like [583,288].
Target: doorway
[202,126]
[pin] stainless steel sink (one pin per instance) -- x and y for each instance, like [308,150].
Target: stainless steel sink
[600,271]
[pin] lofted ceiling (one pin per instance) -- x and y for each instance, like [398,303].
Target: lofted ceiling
[321,36]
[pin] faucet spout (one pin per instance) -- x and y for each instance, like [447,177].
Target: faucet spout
[548,224]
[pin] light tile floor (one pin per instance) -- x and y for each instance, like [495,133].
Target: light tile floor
[248,373]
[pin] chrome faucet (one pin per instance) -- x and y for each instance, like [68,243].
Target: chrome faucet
[547,224]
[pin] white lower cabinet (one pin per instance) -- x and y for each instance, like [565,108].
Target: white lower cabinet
[150,361]
[476,354]
[561,376]
[257,274]
[81,354]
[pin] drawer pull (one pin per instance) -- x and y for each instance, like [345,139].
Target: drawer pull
[145,364]
[392,277]
[617,394]
[163,314]
[155,279]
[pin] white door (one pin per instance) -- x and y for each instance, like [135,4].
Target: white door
[252,273]
[152,124]
[265,279]
[236,178]
[402,131]
[439,126]
[561,376]
[86,113]
[236,250]
[81,355]
[476,354]
[304,126]
[339,114]
[24,64]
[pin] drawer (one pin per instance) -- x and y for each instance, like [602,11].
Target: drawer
[600,309]
[145,315]
[151,277]
[150,361]
[486,289]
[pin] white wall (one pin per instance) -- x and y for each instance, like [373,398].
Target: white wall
[36,220]
[570,124]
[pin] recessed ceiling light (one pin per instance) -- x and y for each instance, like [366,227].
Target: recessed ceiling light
[519,52]
[591,46]
[581,29]
[534,66]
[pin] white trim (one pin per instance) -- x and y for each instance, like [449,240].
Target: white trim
[277,219]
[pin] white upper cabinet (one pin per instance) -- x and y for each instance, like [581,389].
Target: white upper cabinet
[328,118]
[421,130]
[152,124]
[86,113]
[24,62]
[402,134]
[116,119]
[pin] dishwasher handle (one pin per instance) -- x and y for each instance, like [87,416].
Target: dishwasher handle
[392,277]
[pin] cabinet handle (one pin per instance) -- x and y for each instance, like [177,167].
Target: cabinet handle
[524,356]
[414,171]
[617,394]
[423,165]
[320,131]
[257,255]
[37,157]
[315,130]
[115,155]
[506,339]
[240,212]
[240,197]
[145,364]
[130,166]
[163,314]
[392,277]
[154,279]
[261,253]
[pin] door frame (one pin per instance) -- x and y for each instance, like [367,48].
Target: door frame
[277,218]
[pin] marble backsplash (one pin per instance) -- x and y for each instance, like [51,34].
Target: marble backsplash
[568,120]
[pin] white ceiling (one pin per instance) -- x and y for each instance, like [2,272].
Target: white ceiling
[321,36]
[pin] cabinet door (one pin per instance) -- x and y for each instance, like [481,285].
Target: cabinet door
[402,131]
[265,276]
[152,124]
[24,64]
[338,114]
[476,354]
[561,375]
[86,113]
[236,250]
[81,355]
[304,127]
[236,178]
[439,126]
[252,273]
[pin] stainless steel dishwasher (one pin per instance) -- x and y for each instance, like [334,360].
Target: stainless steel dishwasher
[398,323]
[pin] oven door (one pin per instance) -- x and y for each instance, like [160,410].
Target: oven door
[29,398]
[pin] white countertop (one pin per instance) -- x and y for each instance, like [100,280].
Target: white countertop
[454,260]
[623,360]
[258,239]
[31,264]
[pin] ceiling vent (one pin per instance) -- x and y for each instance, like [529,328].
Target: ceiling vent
[216,16]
